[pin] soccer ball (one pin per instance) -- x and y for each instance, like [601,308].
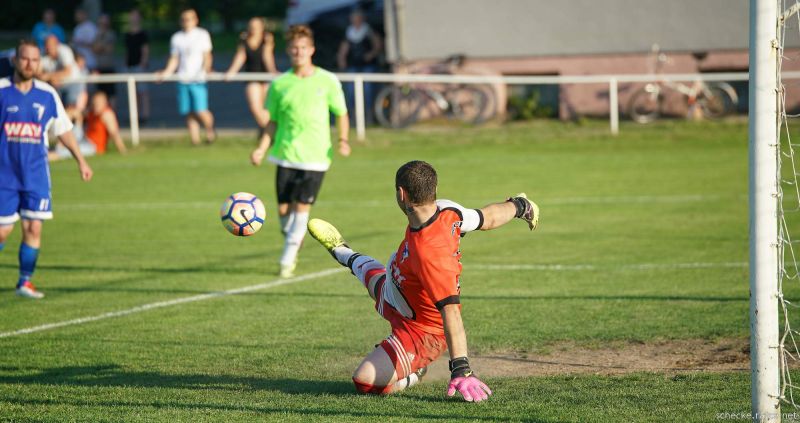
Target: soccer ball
[242,214]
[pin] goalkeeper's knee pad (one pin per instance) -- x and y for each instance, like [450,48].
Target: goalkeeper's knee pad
[366,388]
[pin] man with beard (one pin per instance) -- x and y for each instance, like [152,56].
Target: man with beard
[29,108]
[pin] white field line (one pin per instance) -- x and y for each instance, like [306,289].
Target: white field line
[280,282]
[170,303]
[389,203]
[578,267]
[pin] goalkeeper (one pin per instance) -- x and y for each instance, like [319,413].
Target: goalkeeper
[418,293]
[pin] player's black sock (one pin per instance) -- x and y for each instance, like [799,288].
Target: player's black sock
[350,260]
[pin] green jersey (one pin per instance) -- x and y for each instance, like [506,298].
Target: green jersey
[301,109]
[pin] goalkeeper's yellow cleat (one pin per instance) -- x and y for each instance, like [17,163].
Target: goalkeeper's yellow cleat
[531,214]
[326,234]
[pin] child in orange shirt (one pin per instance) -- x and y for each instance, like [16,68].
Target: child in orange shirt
[101,123]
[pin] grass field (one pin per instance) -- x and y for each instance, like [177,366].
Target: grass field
[643,238]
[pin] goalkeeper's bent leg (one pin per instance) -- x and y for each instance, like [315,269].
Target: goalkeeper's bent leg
[406,382]
[368,270]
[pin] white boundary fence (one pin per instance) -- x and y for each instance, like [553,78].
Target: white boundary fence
[360,78]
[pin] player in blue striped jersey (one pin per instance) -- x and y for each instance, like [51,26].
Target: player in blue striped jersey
[29,110]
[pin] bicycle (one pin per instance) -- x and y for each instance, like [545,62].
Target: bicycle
[714,99]
[401,105]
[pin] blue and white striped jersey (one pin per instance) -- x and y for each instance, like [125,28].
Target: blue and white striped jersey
[26,119]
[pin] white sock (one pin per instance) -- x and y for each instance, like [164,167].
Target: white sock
[294,237]
[405,382]
[286,223]
[343,254]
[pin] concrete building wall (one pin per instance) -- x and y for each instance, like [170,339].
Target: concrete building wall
[580,37]
[514,28]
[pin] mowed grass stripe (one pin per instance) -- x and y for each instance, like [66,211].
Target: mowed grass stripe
[690,198]
[315,275]
[170,303]
[628,266]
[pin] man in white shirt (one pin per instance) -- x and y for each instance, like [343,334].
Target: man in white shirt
[83,38]
[190,56]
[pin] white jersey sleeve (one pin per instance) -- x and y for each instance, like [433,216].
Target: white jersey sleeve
[62,123]
[471,219]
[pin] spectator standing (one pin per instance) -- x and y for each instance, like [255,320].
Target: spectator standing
[137,57]
[83,38]
[190,55]
[358,53]
[256,53]
[103,48]
[48,26]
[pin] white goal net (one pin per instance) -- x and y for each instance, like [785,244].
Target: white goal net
[788,202]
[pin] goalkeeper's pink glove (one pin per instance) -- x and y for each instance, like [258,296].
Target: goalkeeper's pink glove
[465,382]
[470,387]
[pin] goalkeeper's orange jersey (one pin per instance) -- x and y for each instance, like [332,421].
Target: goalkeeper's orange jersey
[425,271]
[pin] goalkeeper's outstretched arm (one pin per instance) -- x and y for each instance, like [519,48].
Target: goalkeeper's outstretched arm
[498,214]
[462,379]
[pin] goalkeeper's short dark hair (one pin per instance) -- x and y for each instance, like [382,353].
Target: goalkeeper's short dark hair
[419,180]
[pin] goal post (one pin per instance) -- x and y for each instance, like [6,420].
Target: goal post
[764,196]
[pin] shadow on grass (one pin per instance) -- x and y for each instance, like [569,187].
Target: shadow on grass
[620,297]
[111,375]
[315,413]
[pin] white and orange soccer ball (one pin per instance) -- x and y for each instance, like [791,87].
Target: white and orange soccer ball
[242,214]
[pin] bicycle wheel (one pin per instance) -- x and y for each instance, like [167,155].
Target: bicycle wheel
[716,102]
[490,105]
[645,104]
[467,104]
[396,106]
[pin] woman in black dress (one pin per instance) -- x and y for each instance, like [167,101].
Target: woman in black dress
[255,54]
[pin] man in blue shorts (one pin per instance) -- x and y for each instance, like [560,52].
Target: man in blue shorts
[190,57]
[29,108]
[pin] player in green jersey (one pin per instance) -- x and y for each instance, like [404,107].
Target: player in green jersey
[299,103]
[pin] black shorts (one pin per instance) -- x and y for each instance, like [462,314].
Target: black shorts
[297,186]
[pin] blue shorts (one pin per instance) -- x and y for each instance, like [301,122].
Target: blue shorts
[192,97]
[28,204]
